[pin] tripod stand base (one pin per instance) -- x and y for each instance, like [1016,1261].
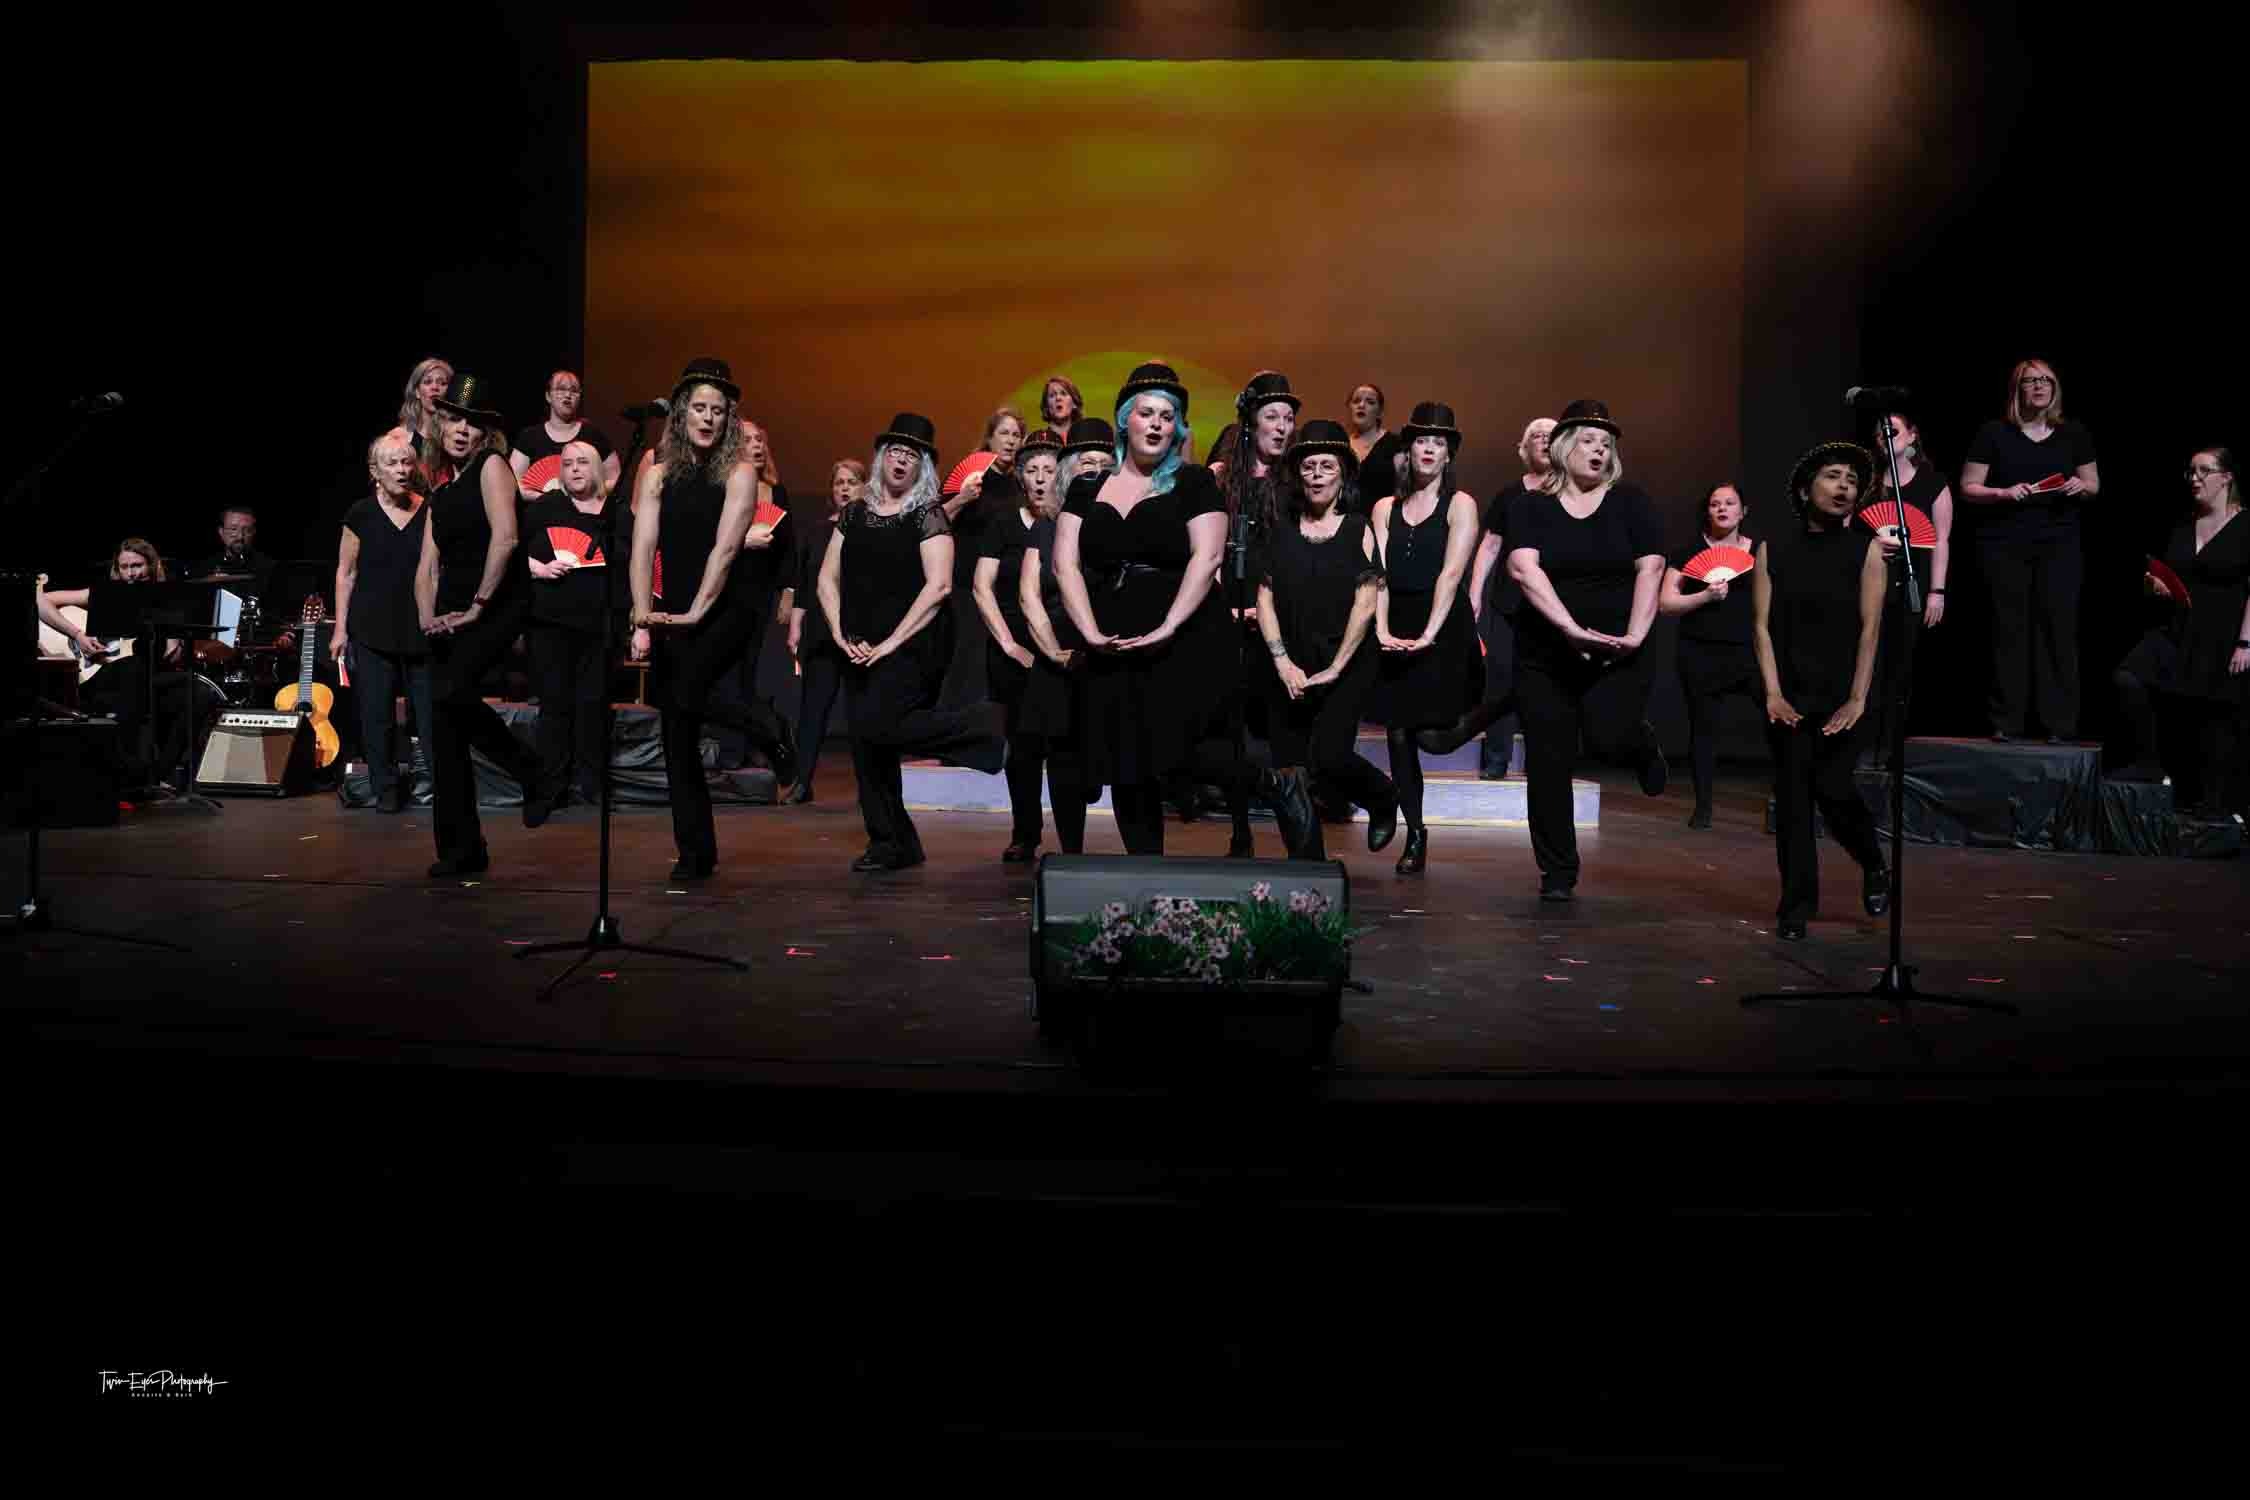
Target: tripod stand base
[1895,989]
[605,936]
[37,914]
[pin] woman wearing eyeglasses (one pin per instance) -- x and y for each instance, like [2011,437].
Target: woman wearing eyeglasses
[2027,477]
[564,426]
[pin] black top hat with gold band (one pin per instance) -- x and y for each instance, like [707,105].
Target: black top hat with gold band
[1090,435]
[1154,377]
[1265,388]
[1322,436]
[912,429]
[716,373]
[466,397]
[1589,413]
[1432,419]
[1041,440]
[1820,457]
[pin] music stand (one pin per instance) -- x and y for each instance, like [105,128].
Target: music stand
[158,613]
[606,936]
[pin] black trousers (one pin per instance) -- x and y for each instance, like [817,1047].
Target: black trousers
[570,673]
[893,711]
[2035,587]
[378,678]
[684,668]
[1810,770]
[1499,635]
[1036,763]
[738,688]
[463,722]
[1710,673]
[2198,742]
[1565,701]
[822,666]
[1140,809]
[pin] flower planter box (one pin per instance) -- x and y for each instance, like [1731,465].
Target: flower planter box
[1132,1022]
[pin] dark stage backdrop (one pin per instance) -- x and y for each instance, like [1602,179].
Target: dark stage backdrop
[862,238]
[254,249]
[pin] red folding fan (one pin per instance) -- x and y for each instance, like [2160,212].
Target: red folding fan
[2050,484]
[573,545]
[768,515]
[975,463]
[543,473]
[1883,516]
[2159,570]
[1718,564]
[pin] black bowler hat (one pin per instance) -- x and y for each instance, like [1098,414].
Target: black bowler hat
[1154,377]
[1432,419]
[1265,388]
[466,397]
[707,371]
[1042,440]
[1090,435]
[911,429]
[1820,457]
[1588,413]
[1322,436]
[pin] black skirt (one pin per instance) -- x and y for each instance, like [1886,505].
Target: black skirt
[1426,689]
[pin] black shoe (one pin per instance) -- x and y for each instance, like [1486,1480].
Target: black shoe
[1382,823]
[1700,818]
[886,857]
[1791,930]
[537,810]
[798,795]
[1653,769]
[783,756]
[1020,853]
[391,799]
[1240,846]
[1284,792]
[1555,888]
[1417,854]
[1875,890]
[1488,774]
[475,863]
[693,869]
[2002,736]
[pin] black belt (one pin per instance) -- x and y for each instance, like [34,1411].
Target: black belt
[1128,570]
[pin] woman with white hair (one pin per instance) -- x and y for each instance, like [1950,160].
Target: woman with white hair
[883,587]
[378,637]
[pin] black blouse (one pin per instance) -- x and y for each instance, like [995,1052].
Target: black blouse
[883,565]
[1133,563]
[1813,616]
[464,535]
[2012,459]
[1004,541]
[1592,563]
[575,600]
[1730,621]
[383,613]
[1314,587]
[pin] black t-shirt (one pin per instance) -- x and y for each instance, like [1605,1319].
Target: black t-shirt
[384,615]
[576,599]
[1728,622]
[1591,563]
[1004,540]
[1501,592]
[534,444]
[2011,459]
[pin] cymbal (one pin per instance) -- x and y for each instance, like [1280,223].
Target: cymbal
[223,578]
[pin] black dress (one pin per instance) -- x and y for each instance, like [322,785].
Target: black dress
[389,653]
[1813,619]
[1002,542]
[1378,473]
[2206,709]
[893,703]
[1715,661]
[1434,687]
[460,661]
[1145,711]
[1894,654]
[1050,698]
[756,581]
[1315,584]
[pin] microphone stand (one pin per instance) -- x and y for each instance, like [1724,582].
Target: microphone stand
[1896,987]
[606,936]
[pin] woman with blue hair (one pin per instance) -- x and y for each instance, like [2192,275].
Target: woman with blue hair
[1137,556]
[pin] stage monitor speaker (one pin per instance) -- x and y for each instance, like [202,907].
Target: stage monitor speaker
[64,772]
[1071,887]
[257,753]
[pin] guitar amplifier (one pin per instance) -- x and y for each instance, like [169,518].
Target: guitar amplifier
[257,753]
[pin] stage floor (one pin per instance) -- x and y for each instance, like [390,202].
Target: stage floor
[313,932]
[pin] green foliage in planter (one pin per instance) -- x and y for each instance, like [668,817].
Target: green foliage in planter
[1213,942]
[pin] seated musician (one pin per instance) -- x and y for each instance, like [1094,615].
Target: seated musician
[118,685]
[238,555]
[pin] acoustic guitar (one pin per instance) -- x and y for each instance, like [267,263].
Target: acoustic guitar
[314,700]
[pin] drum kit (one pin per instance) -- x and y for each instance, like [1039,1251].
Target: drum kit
[250,670]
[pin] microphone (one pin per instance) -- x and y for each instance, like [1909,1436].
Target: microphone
[106,401]
[660,407]
[1869,395]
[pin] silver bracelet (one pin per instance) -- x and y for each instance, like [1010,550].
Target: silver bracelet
[1277,648]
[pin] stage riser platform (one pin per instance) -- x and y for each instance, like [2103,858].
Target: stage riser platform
[1450,798]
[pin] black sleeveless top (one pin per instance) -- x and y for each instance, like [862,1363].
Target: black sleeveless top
[1416,554]
[464,535]
[1314,584]
[687,528]
[883,565]
[1814,614]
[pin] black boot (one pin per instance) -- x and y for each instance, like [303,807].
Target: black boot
[783,756]
[1382,820]
[1417,852]
[1652,768]
[1284,792]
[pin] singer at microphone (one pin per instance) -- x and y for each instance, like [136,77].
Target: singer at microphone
[648,411]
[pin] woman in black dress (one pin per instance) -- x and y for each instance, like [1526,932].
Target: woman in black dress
[1923,486]
[2027,544]
[1376,448]
[1316,604]
[761,575]
[1249,475]
[2186,687]
[1715,660]
[883,587]
[1431,675]
[695,506]
[1009,653]
[1817,603]
[378,633]
[570,592]
[473,595]
[820,666]
[1049,709]
[1588,555]
[1137,557]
